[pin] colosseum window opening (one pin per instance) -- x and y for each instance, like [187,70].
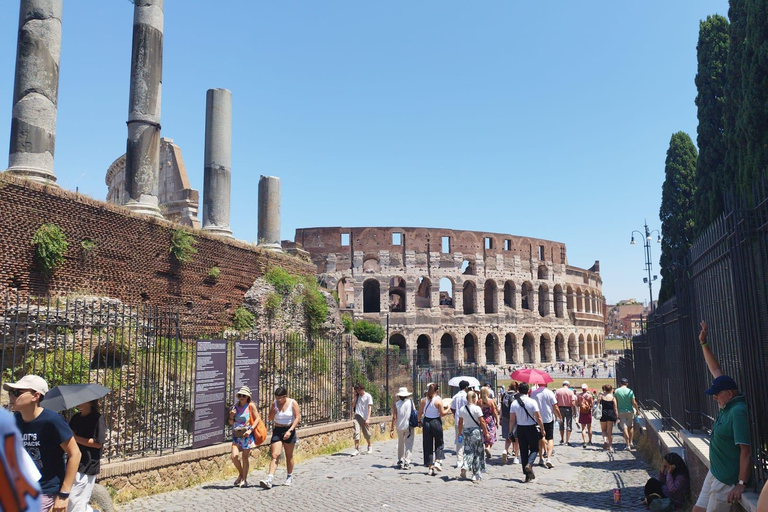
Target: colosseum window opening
[490,297]
[346,291]
[545,348]
[397,239]
[445,244]
[543,300]
[371,296]
[345,239]
[491,342]
[526,296]
[446,349]
[422,350]
[559,301]
[397,295]
[446,292]
[582,347]
[470,299]
[509,348]
[509,294]
[569,298]
[468,268]
[541,253]
[469,349]
[507,245]
[542,272]
[528,348]
[573,348]
[560,349]
[579,301]
[488,242]
[424,293]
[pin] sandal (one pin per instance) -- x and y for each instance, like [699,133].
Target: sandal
[238,481]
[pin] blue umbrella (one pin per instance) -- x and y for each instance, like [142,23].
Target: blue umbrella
[68,396]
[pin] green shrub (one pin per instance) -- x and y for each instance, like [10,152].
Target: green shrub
[315,308]
[50,245]
[87,244]
[214,273]
[243,319]
[182,245]
[347,322]
[281,279]
[272,304]
[367,331]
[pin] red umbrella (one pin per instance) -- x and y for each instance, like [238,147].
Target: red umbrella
[531,376]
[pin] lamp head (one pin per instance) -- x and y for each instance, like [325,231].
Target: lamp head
[658,240]
[633,240]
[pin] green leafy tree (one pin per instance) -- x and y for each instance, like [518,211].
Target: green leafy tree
[676,211]
[711,180]
[368,331]
[50,244]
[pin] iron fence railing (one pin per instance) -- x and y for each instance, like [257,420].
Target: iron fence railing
[724,281]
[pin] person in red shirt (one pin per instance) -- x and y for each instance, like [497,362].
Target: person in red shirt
[566,402]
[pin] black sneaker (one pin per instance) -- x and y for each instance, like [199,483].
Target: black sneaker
[528,470]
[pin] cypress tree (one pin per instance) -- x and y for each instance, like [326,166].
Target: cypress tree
[733,93]
[712,51]
[676,212]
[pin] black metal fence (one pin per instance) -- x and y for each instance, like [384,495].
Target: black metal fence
[724,281]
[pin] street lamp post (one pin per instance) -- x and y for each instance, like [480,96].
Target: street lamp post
[647,245]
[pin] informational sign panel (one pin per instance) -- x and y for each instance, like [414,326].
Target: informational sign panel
[247,367]
[210,387]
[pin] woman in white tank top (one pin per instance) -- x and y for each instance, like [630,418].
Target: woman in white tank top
[285,414]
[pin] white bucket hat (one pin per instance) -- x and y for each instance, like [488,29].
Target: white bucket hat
[403,392]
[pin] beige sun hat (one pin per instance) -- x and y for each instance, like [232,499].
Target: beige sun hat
[245,390]
[404,392]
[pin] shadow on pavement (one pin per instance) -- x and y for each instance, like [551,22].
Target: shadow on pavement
[603,500]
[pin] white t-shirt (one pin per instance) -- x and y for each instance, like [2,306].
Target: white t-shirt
[362,403]
[459,401]
[430,409]
[546,400]
[19,462]
[521,418]
[476,411]
[403,414]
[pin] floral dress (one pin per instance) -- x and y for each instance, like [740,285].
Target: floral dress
[243,419]
[490,421]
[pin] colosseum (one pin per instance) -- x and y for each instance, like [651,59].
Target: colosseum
[464,296]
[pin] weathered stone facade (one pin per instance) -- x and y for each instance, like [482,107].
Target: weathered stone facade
[464,296]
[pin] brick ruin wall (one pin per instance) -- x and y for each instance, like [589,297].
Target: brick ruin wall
[131,260]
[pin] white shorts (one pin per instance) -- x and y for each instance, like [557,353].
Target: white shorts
[713,495]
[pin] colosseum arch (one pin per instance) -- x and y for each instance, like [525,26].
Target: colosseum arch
[397,295]
[579,300]
[492,355]
[510,347]
[490,296]
[424,293]
[447,344]
[570,298]
[559,301]
[543,300]
[526,296]
[423,349]
[545,348]
[542,274]
[561,351]
[528,348]
[470,298]
[590,348]
[398,340]
[468,267]
[573,348]
[345,289]
[470,348]
[588,302]
[510,294]
[371,265]
[446,292]
[371,296]
[582,348]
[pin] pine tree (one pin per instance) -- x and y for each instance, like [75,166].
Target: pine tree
[676,212]
[711,183]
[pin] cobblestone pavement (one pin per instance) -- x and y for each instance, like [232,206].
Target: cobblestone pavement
[582,479]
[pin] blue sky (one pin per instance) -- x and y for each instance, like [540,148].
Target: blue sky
[544,119]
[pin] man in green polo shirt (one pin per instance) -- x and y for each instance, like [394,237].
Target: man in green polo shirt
[625,400]
[729,448]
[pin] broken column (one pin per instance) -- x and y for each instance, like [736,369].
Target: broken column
[269,212]
[142,156]
[36,91]
[217,173]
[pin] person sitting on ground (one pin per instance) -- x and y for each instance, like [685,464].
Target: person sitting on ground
[473,430]
[673,483]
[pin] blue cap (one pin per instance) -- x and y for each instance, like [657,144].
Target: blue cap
[722,383]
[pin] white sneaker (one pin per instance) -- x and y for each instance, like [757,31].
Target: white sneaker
[370,450]
[267,483]
[355,453]
[288,481]
[504,457]
[516,460]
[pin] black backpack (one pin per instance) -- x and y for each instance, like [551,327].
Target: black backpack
[506,403]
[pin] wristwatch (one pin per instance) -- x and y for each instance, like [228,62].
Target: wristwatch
[741,482]
[63,495]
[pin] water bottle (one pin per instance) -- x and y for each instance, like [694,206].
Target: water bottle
[461,438]
[617,496]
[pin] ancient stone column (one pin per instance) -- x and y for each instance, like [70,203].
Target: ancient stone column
[36,91]
[269,212]
[217,173]
[142,155]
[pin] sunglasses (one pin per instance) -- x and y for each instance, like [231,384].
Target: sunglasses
[242,396]
[18,392]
